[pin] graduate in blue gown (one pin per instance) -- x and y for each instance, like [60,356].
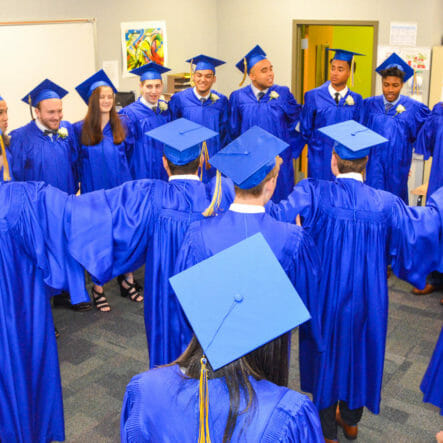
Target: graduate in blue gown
[432,383]
[204,105]
[358,231]
[399,119]
[144,221]
[46,149]
[270,106]
[148,112]
[240,396]
[104,144]
[254,172]
[332,102]
[34,257]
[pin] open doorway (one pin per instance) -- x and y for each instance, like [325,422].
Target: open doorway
[310,67]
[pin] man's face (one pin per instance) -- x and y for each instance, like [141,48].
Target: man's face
[106,99]
[3,116]
[391,87]
[339,73]
[203,80]
[151,90]
[262,75]
[50,113]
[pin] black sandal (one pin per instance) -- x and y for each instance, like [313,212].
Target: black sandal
[100,301]
[131,291]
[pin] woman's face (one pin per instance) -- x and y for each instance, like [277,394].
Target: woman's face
[106,99]
[3,116]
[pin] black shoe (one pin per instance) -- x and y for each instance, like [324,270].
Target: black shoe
[57,334]
[131,291]
[82,307]
[61,300]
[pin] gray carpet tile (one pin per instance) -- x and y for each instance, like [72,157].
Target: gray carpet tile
[100,352]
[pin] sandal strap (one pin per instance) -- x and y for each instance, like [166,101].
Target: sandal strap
[100,300]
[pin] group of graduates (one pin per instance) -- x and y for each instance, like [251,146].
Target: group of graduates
[200,189]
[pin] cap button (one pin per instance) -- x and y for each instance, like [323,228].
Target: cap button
[238,298]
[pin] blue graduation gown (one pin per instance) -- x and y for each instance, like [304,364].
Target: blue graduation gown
[292,246]
[430,142]
[432,384]
[320,110]
[104,165]
[37,157]
[359,231]
[275,115]
[161,405]
[389,164]
[212,113]
[144,221]
[145,160]
[33,257]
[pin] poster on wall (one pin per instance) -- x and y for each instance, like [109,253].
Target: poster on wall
[142,42]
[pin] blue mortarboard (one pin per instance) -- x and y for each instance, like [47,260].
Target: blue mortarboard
[46,89]
[250,302]
[202,62]
[150,71]
[251,58]
[352,139]
[249,158]
[182,139]
[395,61]
[86,88]
[1,98]
[343,54]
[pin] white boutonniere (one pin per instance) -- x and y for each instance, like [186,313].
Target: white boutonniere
[163,106]
[62,132]
[399,109]
[214,97]
[273,95]
[349,100]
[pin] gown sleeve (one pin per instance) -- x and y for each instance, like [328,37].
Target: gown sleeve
[234,116]
[422,112]
[295,420]
[426,138]
[174,107]
[224,124]
[416,239]
[42,227]
[17,156]
[307,116]
[109,231]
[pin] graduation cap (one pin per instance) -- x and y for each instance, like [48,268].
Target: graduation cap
[352,140]
[86,88]
[182,139]
[250,303]
[245,65]
[249,158]
[150,71]
[343,54]
[202,62]
[395,61]
[1,98]
[45,90]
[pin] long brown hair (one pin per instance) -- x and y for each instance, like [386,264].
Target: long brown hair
[92,133]
[269,362]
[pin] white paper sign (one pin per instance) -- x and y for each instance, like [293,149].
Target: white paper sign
[403,34]
[111,69]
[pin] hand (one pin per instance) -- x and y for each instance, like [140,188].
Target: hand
[298,220]
[421,190]
[439,437]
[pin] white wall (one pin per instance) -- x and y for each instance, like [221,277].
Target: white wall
[243,24]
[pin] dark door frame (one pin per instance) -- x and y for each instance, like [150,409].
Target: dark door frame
[297,54]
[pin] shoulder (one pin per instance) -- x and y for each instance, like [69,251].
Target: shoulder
[356,95]
[23,130]
[221,96]
[239,92]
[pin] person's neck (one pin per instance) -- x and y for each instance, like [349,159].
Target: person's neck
[339,88]
[260,87]
[105,117]
[256,201]
[203,93]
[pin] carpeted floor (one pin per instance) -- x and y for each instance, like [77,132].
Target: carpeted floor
[99,353]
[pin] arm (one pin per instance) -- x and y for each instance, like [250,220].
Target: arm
[426,138]
[234,116]
[421,114]
[224,124]
[307,116]
[174,107]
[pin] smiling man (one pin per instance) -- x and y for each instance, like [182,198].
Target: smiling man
[203,105]
[269,106]
[45,149]
[332,102]
[398,118]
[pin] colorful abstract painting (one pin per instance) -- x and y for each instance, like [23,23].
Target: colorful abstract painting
[143,42]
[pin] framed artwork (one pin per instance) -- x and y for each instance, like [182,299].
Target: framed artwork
[142,42]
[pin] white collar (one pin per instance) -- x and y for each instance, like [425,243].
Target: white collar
[146,103]
[206,97]
[41,126]
[257,91]
[332,91]
[246,209]
[354,175]
[184,177]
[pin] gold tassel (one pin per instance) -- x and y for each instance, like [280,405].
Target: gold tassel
[203,435]
[205,155]
[245,71]
[30,106]
[352,71]
[216,198]
[191,74]
[6,173]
